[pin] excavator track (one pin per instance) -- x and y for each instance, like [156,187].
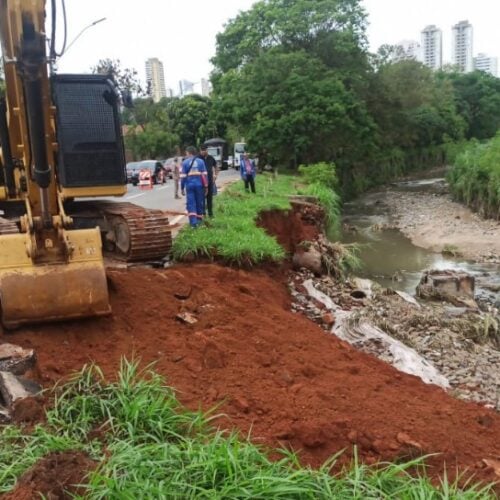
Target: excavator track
[8,226]
[130,232]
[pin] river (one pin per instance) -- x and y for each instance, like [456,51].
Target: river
[391,259]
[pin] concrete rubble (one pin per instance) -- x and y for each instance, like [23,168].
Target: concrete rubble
[456,287]
[14,362]
[460,343]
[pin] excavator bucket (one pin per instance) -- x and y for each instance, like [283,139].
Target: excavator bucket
[50,292]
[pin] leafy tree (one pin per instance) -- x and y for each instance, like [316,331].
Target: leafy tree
[477,97]
[146,111]
[126,79]
[415,116]
[293,105]
[169,126]
[152,141]
[332,29]
[192,119]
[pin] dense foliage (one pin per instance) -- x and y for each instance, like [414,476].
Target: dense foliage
[159,130]
[475,177]
[295,79]
[152,447]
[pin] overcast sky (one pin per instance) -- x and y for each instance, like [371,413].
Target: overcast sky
[181,33]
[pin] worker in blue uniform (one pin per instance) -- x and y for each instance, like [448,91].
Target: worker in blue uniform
[194,183]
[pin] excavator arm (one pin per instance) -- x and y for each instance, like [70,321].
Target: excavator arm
[48,270]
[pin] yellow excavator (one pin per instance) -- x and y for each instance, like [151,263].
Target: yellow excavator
[60,141]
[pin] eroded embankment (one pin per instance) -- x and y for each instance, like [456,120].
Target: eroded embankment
[274,374]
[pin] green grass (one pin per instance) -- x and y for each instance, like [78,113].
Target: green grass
[154,448]
[475,177]
[232,234]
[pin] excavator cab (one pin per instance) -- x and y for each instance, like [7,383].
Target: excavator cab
[60,138]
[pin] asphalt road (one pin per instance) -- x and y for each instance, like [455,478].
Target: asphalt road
[161,197]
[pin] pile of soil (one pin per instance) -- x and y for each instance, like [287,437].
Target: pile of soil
[304,222]
[55,476]
[275,374]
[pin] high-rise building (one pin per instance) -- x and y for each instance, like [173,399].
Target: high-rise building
[155,78]
[185,87]
[407,49]
[206,87]
[484,63]
[432,47]
[462,46]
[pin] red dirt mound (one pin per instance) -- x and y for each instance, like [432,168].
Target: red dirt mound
[55,477]
[302,223]
[276,374]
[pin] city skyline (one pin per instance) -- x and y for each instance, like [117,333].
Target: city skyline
[430,49]
[388,22]
[155,79]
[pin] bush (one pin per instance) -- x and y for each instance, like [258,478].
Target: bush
[321,182]
[320,173]
[475,177]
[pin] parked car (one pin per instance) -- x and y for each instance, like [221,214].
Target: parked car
[154,166]
[132,171]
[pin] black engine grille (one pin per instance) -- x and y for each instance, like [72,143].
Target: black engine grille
[89,134]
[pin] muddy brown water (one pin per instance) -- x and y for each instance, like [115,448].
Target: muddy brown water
[391,259]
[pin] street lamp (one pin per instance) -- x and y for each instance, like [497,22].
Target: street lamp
[82,32]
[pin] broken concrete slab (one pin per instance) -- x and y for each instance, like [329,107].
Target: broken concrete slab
[452,286]
[15,359]
[187,317]
[12,389]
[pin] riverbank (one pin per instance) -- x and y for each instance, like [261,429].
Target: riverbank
[231,339]
[432,220]
[226,338]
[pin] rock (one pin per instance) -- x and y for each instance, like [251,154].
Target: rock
[309,259]
[403,438]
[242,404]
[187,317]
[183,293]
[15,359]
[328,319]
[12,389]
[493,464]
[456,287]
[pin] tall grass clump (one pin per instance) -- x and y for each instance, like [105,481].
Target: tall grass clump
[321,182]
[151,447]
[475,177]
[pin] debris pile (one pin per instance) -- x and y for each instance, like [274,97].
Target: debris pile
[460,343]
[16,391]
[451,286]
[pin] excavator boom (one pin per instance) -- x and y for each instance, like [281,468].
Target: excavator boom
[48,270]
